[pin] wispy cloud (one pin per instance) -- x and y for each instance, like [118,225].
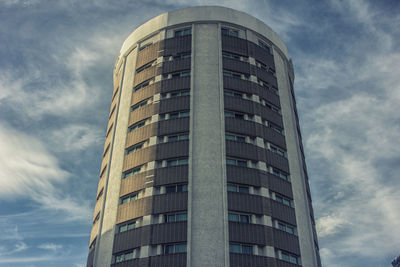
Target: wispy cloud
[27,169]
[50,246]
[350,130]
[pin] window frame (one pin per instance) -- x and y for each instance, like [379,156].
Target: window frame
[229,32]
[178,162]
[183,32]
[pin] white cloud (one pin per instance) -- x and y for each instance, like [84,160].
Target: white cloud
[50,246]
[17,247]
[27,169]
[75,137]
[329,225]
[25,165]
[351,126]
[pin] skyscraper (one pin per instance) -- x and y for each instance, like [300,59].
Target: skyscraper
[203,161]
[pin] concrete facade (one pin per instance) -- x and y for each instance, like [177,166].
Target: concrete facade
[203,161]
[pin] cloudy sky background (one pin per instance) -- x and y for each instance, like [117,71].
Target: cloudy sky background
[56,62]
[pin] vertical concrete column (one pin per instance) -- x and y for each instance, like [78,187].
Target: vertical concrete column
[304,228]
[104,246]
[207,231]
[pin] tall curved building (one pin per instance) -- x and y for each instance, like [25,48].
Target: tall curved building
[203,161]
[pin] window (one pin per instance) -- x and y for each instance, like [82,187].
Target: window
[238,188]
[272,107]
[275,127]
[176,188]
[240,248]
[174,248]
[236,138]
[143,46]
[183,32]
[232,74]
[178,137]
[96,218]
[176,217]
[236,162]
[230,32]
[93,244]
[140,86]
[137,125]
[262,65]
[180,114]
[115,94]
[124,257]
[100,193]
[233,93]
[289,257]
[280,174]
[271,70]
[182,56]
[177,74]
[177,162]
[129,198]
[284,200]
[142,68]
[230,55]
[109,130]
[131,172]
[140,104]
[134,148]
[287,228]
[277,150]
[233,114]
[274,90]
[180,93]
[112,111]
[264,46]
[106,150]
[234,217]
[127,226]
[103,171]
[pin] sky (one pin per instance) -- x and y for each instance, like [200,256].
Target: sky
[56,63]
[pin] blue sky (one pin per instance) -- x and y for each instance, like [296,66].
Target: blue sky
[56,62]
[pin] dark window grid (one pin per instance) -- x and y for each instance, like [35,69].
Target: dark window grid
[131,172]
[237,138]
[129,198]
[287,228]
[141,85]
[230,55]
[180,114]
[176,217]
[233,93]
[183,32]
[289,257]
[283,200]
[236,162]
[134,148]
[241,248]
[124,257]
[137,125]
[177,137]
[229,32]
[238,188]
[177,162]
[140,104]
[142,68]
[242,218]
[174,248]
[236,115]
[280,174]
[176,188]
[127,226]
